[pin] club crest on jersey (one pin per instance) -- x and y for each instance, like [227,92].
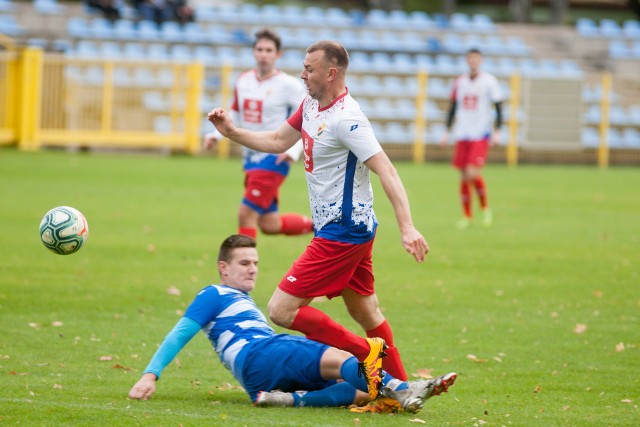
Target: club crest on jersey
[321,129]
[353,127]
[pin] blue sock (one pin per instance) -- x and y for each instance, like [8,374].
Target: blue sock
[341,394]
[349,372]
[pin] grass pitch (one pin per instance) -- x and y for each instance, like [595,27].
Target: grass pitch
[538,315]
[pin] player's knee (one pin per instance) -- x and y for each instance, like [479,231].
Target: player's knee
[279,316]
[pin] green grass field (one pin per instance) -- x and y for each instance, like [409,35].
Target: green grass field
[539,315]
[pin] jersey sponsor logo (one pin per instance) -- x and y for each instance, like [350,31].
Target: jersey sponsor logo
[353,127]
[252,110]
[256,193]
[307,143]
[470,102]
[291,279]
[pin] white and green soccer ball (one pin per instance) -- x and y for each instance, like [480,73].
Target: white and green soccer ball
[64,230]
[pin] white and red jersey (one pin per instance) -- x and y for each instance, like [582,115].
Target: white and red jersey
[475,109]
[262,105]
[337,139]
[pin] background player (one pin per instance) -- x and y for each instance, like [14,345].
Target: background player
[262,360]
[340,150]
[263,98]
[473,99]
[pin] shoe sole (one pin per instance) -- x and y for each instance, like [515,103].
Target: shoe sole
[442,386]
[379,369]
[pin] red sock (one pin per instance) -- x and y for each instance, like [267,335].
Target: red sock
[481,189]
[317,326]
[392,363]
[465,198]
[248,231]
[293,224]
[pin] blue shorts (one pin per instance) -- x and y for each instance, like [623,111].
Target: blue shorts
[284,362]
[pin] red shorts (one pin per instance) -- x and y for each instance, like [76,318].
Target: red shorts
[472,153]
[261,190]
[326,268]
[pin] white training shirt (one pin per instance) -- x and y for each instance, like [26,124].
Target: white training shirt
[337,140]
[475,109]
[263,104]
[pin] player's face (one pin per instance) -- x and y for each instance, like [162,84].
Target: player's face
[474,60]
[266,55]
[315,74]
[241,272]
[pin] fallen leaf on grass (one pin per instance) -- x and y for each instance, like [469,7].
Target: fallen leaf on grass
[565,407]
[418,421]
[105,358]
[580,328]
[57,386]
[620,347]
[119,366]
[537,389]
[57,324]
[473,358]
[597,294]
[18,373]
[626,401]
[34,325]
[174,291]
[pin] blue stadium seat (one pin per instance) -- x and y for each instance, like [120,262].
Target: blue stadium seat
[587,27]
[618,49]
[506,67]
[397,132]
[634,115]
[631,28]
[271,15]
[218,35]
[110,50]
[371,85]
[38,42]
[610,28]
[381,61]
[425,62]
[86,49]
[399,20]
[170,31]
[460,22]
[359,61]
[405,109]
[101,28]
[453,44]
[77,27]
[157,52]
[403,63]
[124,29]
[6,6]
[48,7]
[593,115]
[618,116]
[369,40]
[247,13]
[134,51]
[290,14]
[570,69]
[631,138]
[181,53]
[517,47]
[482,23]
[446,64]
[614,138]
[148,30]
[411,42]
[314,16]
[377,18]
[337,17]
[437,88]
[419,20]
[204,54]
[392,86]
[590,137]
[350,39]
[11,27]
[635,48]
[435,133]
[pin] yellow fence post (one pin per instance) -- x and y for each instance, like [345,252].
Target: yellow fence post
[514,103]
[195,77]
[107,102]
[225,84]
[421,97]
[603,146]
[9,87]
[30,95]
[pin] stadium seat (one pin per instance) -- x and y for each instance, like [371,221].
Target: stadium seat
[371,85]
[421,21]
[205,13]
[337,18]
[181,53]
[405,109]
[634,115]
[148,30]
[590,137]
[454,44]
[397,132]
[86,49]
[271,15]
[398,20]
[94,75]
[314,16]
[77,27]
[350,39]
[587,27]
[403,63]
[110,50]
[48,7]
[593,115]
[101,28]
[437,88]
[290,14]
[446,65]
[517,47]
[617,116]
[359,61]
[483,23]
[6,6]
[614,138]
[218,35]
[424,62]
[377,19]
[134,51]
[460,22]
[11,27]
[618,49]
[392,86]
[121,77]
[570,69]
[170,31]
[157,52]
[124,29]
[38,42]
[248,14]
[631,138]
[204,54]
[631,28]
[411,42]
[369,40]
[381,61]
[610,28]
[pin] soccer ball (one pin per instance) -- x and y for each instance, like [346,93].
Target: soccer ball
[64,230]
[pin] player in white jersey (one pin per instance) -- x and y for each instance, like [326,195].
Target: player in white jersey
[262,360]
[473,99]
[263,98]
[340,150]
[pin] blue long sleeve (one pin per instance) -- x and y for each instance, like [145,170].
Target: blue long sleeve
[175,341]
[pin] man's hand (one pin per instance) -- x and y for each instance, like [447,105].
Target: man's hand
[415,243]
[222,121]
[444,139]
[144,388]
[209,141]
[495,137]
[284,157]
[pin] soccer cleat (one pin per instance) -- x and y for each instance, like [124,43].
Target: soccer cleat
[274,398]
[463,223]
[371,367]
[412,399]
[487,217]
